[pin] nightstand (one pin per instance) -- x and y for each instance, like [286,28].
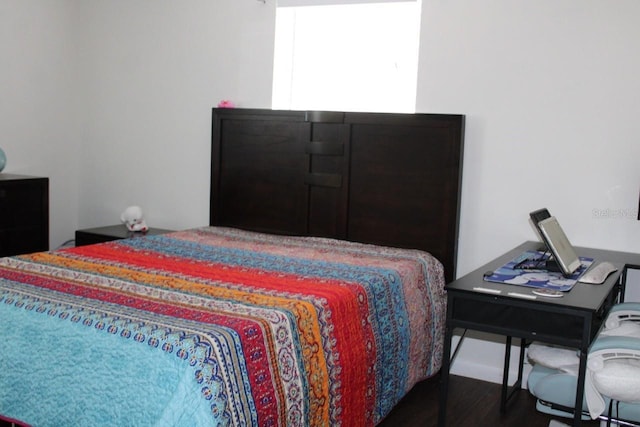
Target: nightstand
[90,236]
[24,214]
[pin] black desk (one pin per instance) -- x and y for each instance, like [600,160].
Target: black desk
[572,320]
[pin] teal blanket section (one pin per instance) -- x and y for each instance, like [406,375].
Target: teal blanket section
[57,373]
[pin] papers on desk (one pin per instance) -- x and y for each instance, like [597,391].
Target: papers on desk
[528,270]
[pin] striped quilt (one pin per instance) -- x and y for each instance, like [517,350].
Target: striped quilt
[217,326]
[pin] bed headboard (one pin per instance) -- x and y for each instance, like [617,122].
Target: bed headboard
[387,179]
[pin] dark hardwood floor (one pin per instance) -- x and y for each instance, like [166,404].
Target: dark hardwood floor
[471,403]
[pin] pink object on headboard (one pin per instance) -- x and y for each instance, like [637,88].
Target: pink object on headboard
[225,103]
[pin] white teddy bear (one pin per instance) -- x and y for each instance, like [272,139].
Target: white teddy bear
[132,217]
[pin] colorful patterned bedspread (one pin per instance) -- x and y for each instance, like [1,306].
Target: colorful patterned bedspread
[216,326]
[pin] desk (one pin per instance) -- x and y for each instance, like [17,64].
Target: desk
[571,321]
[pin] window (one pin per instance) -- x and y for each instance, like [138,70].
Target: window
[346,57]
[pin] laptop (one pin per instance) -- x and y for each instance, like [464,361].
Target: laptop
[556,241]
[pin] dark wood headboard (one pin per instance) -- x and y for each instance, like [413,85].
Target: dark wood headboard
[387,179]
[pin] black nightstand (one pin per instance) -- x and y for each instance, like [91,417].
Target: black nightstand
[90,236]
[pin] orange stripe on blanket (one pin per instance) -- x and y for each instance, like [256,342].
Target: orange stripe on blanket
[304,313]
[354,338]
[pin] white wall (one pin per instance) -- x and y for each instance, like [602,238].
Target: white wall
[38,101]
[155,69]
[112,100]
[550,91]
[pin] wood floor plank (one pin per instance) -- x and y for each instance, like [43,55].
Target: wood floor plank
[470,403]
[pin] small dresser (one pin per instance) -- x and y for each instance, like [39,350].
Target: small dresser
[24,214]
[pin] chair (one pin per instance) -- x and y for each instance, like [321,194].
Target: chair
[612,381]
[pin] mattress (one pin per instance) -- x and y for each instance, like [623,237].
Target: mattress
[217,326]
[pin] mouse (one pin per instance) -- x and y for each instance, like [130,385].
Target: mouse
[598,274]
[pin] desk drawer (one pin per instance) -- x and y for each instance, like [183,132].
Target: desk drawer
[23,240]
[24,214]
[510,318]
[22,202]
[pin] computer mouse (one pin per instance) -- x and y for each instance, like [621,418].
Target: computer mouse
[598,274]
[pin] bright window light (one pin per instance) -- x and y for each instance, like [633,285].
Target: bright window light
[348,57]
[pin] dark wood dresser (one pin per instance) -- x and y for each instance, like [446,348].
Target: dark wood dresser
[24,214]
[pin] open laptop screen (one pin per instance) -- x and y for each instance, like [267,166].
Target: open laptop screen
[558,243]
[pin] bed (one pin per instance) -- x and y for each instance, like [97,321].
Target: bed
[315,296]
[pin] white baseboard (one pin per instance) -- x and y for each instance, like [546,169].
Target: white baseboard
[481,356]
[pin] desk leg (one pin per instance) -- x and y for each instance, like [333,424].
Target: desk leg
[444,377]
[505,375]
[582,371]
[505,395]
